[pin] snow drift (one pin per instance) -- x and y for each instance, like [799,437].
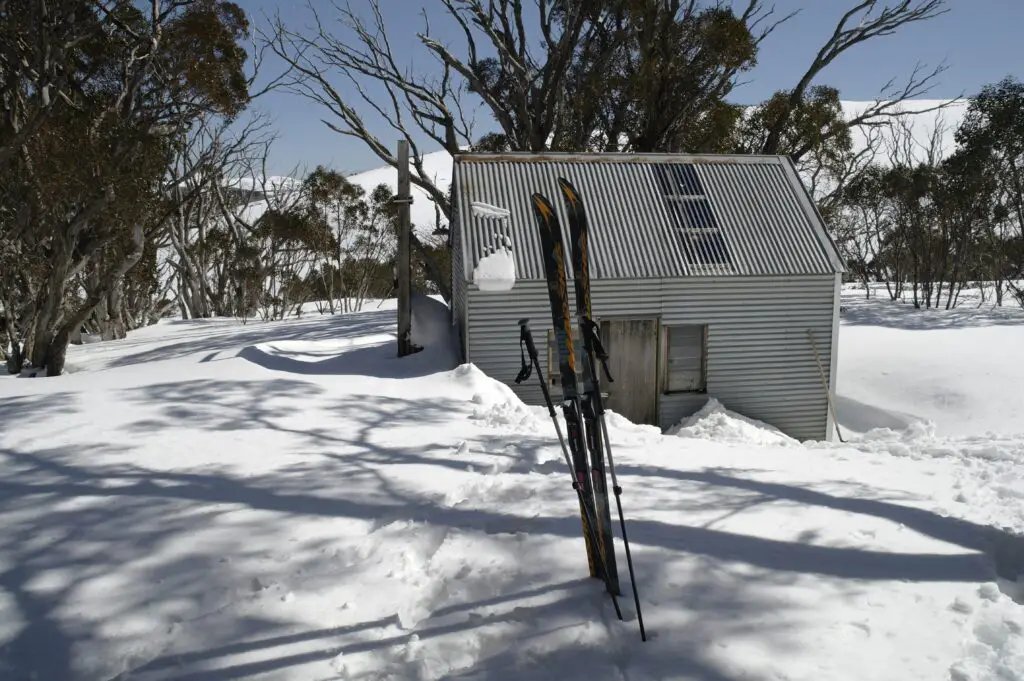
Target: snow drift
[432,329]
[289,501]
[714,422]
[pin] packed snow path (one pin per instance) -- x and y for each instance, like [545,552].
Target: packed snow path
[212,501]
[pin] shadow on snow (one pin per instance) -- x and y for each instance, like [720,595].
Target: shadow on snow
[895,315]
[212,338]
[68,522]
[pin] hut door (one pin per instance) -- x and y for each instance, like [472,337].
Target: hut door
[632,346]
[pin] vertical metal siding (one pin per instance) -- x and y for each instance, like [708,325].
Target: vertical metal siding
[759,360]
[834,359]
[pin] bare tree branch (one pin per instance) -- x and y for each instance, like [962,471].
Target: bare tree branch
[866,20]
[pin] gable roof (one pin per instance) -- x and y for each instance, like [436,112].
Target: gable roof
[650,215]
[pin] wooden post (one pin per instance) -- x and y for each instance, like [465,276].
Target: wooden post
[402,261]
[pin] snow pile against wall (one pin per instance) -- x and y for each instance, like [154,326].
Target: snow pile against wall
[497,405]
[433,331]
[715,422]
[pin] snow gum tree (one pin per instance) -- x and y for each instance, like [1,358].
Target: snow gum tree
[992,140]
[84,164]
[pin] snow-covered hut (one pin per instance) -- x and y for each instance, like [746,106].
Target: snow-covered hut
[712,276]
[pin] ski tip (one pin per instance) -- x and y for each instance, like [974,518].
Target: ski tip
[541,203]
[568,190]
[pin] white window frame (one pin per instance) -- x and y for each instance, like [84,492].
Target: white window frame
[695,379]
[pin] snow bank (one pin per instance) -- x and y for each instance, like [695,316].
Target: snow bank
[174,512]
[715,422]
[497,405]
[995,649]
[433,331]
[901,368]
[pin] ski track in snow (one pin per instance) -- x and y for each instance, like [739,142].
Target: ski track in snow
[206,501]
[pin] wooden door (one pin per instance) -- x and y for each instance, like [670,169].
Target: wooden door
[632,346]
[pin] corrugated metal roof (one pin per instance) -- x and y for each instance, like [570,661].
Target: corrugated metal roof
[651,215]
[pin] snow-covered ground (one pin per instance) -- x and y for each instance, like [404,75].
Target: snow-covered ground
[290,501]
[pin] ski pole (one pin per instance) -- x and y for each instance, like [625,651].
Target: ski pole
[526,339]
[594,342]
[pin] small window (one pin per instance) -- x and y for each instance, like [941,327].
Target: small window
[678,179]
[706,248]
[554,374]
[685,358]
[692,213]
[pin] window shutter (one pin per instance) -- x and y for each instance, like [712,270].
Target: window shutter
[685,358]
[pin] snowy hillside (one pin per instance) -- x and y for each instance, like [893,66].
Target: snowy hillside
[289,501]
[437,167]
[922,125]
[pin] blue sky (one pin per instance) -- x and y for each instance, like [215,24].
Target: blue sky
[978,39]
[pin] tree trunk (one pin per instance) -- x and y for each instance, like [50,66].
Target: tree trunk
[108,313]
[15,358]
[50,344]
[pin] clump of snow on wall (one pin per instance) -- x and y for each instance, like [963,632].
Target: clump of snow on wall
[489,212]
[715,422]
[496,271]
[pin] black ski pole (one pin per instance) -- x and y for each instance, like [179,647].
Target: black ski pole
[526,339]
[589,331]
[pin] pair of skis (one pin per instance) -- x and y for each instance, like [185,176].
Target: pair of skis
[583,411]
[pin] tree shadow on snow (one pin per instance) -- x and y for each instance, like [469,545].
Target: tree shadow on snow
[998,551]
[377,359]
[507,637]
[69,524]
[499,622]
[323,428]
[22,409]
[67,530]
[895,315]
[347,326]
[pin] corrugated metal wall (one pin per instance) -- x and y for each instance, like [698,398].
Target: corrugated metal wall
[760,362]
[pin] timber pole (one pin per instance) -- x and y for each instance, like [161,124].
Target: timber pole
[402,261]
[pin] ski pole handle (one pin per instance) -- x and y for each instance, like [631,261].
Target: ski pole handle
[527,336]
